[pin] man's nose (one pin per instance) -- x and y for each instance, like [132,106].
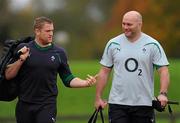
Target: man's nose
[51,33]
[126,26]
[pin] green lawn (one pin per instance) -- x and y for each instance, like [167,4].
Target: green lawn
[81,101]
[85,121]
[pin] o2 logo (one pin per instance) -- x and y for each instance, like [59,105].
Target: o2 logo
[133,69]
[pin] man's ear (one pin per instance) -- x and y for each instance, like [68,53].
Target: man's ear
[37,31]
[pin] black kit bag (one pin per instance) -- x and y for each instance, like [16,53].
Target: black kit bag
[156,104]
[94,116]
[9,88]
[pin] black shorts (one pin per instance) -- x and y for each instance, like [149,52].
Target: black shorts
[130,114]
[35,113]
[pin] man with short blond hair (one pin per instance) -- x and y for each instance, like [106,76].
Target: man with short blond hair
[36,71]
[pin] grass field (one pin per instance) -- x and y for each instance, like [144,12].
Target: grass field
[77,102]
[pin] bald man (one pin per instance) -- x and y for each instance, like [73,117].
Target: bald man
[132,55]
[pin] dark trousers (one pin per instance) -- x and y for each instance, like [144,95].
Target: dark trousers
[35,113]
[130,114]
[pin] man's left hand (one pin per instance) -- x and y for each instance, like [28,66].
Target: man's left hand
[163,99]
[91,80]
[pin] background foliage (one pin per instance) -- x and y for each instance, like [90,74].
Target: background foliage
[87,25]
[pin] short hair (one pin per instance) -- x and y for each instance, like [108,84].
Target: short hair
[40,21]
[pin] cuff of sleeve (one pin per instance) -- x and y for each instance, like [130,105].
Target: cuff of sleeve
[66,80]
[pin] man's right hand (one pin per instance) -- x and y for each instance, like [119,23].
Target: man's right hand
[25,53]
[100,103]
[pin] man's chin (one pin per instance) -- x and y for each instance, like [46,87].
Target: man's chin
[127,35]
[49,41]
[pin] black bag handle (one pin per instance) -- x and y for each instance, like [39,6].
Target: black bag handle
[93,118]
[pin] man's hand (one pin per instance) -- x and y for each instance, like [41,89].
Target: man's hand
[100,103]
[25,53]
[163,99]
[91,80]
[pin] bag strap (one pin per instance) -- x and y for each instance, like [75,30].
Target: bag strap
[101,114]
[172,118]
[93,118]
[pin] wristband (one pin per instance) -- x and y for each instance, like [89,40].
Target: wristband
[163,93]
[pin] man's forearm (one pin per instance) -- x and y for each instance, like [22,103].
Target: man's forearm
[13,69]
[102,81]
[77,83]
[100,87]
[164,79]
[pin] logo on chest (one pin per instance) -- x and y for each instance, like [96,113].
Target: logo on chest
[53,58]
[144,50]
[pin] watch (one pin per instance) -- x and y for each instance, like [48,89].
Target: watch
[163,93]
